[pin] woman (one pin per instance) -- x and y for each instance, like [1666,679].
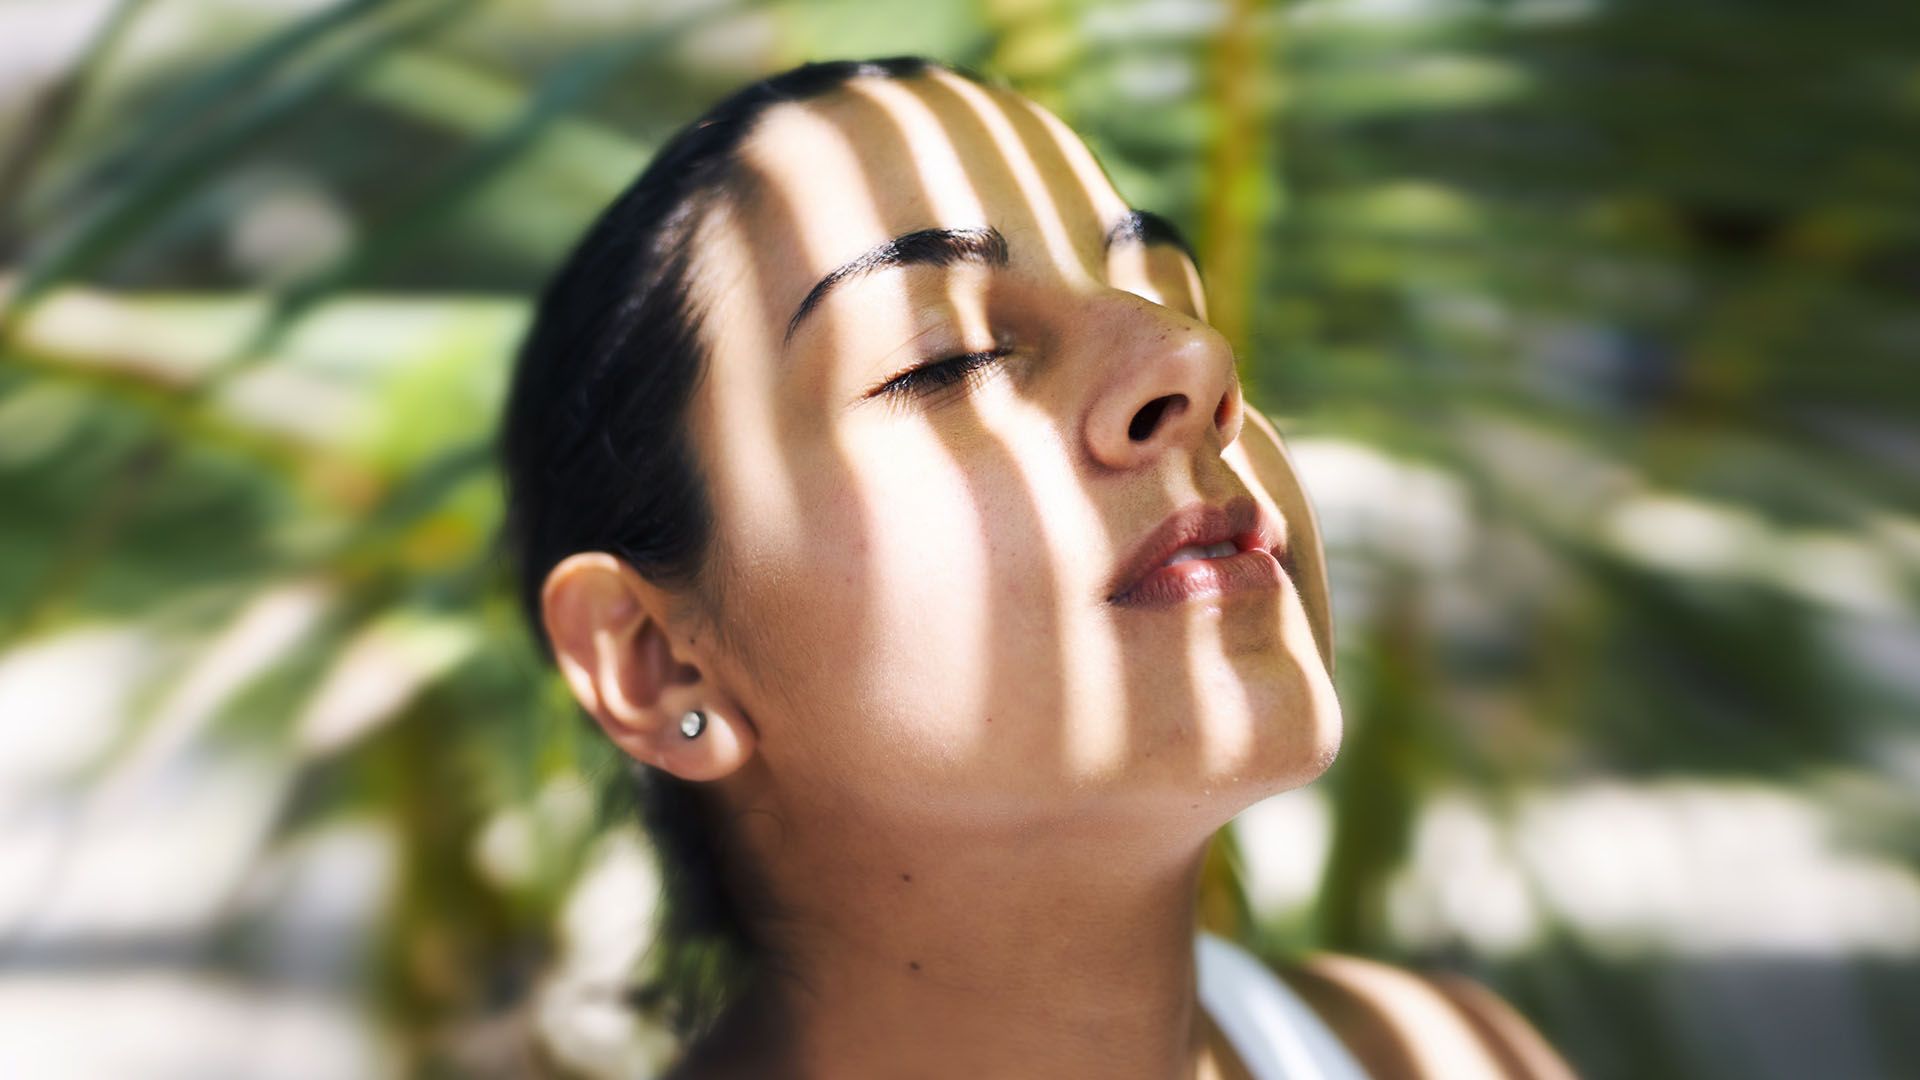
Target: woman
[883,492]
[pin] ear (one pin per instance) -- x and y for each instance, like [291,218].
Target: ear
[1272,468]
[613,646]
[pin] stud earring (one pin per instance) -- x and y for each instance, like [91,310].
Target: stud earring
[693,723]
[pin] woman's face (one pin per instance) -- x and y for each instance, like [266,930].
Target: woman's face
[918,574]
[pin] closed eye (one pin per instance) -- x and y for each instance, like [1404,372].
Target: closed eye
[938,375]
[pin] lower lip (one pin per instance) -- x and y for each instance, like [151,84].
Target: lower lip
[1196,579]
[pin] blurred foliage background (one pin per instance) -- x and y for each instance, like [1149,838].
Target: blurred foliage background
[1593,323]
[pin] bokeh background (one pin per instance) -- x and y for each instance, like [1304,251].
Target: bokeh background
[1594,325]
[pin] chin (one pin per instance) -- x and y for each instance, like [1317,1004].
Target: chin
[1286,735]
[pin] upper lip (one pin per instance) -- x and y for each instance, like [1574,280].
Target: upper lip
[1240,520]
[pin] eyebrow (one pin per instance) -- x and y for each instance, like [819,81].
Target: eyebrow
[985,246]
[927,247]
[1145,228]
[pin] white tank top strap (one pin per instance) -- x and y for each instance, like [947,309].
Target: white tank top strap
[1277,1035]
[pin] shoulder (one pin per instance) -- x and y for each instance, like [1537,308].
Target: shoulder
[1400,1023]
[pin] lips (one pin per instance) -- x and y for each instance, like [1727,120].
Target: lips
[1194,532]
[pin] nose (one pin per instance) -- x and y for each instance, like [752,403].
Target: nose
[1169,382]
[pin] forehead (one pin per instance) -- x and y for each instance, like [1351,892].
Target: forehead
[828,178]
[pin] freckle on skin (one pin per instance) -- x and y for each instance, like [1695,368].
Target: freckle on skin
[906,877]
[914,964]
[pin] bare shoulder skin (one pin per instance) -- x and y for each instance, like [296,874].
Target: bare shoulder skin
[1403,1025]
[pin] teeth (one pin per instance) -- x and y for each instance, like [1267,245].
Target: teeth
[1195,551]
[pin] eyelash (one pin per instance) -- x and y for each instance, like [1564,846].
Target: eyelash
[938,375]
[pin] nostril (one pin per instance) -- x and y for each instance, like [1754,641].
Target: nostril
[1224,411]
[1148,418]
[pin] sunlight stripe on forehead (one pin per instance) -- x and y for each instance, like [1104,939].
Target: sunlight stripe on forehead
[1094,181]
[936,161]
[1026,172]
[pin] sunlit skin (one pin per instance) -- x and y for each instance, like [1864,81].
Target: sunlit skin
[977,790]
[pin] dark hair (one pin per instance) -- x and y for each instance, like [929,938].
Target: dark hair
[597,458]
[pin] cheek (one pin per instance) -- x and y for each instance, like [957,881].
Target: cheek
[1263,465]
[870,599]
[977,661]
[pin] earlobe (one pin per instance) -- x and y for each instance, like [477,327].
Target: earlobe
[722,743]
[610,641]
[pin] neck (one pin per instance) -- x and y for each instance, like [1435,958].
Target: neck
[1057,952]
